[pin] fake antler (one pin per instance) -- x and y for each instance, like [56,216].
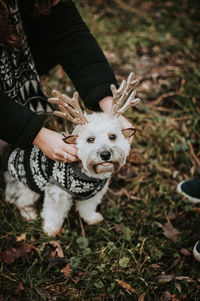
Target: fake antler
[125,93]
[69,107]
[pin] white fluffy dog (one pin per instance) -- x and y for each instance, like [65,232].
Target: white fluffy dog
[102,149]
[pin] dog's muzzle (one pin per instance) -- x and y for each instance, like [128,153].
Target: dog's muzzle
[106,166]
[106,160]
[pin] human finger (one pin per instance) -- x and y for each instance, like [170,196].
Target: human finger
[71,149]
[69,158]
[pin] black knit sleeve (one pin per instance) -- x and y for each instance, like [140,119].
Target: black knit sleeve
[70,40]
[18,125]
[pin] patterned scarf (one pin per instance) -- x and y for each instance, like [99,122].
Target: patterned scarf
[33,168]
[18,75]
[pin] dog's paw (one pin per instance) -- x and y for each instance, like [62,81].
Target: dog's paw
[28,213]
[50,229]
[95,218]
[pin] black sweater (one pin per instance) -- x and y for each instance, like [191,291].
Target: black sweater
[58,38]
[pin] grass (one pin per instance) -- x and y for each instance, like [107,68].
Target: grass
[143,248]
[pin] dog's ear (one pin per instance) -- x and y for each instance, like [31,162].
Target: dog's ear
[128,132]
[71,139]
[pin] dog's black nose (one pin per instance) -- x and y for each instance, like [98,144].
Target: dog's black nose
[105,155]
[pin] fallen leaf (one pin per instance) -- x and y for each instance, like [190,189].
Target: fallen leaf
[172,215]
[197,209]
[185,252]
[135,189]
[170,231]
[19,289]
[166,296]
[126,286]
[119,228]
[176,298]
[165,278]
[58,249]
[67,270]
[12,254]
[21,237]
[178,287]
[155,266]
[187,279]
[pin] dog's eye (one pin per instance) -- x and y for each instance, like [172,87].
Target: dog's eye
[90,139]
[112,137]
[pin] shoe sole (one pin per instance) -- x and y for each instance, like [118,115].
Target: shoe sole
[192,199]
[195,253]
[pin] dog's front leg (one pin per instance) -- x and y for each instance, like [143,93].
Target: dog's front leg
[87,208]
[57,204]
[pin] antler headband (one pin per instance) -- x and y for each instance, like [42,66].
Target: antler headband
[123,98]
[69,107]
[124,94]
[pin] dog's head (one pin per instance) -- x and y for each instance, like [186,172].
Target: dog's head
[102,144]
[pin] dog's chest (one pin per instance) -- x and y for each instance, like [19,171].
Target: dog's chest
[36,170]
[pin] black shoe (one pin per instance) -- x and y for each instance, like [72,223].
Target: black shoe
[190,189]
[196,251]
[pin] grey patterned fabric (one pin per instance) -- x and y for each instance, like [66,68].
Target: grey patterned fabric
[18,75]
[33,168]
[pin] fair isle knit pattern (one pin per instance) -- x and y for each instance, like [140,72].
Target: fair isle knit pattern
[33,168]
[18,76]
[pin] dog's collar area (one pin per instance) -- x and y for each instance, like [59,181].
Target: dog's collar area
[75,181]
[35,170]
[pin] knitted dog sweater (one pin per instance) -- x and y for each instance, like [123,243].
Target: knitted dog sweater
[33,168]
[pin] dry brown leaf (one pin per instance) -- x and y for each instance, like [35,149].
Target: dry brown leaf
[19,289]
[176,298]
[126,286]
[21,237]
[197,209]
[186,278]
[166,296]
[119,228]
[135,189]
[155,266]
[12,254]
[185,252]
[170,231]
[67,270]
[58,248]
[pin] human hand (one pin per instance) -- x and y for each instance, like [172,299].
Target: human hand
[51,143]
[106,105]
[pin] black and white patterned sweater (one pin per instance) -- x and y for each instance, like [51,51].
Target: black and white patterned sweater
[33,168]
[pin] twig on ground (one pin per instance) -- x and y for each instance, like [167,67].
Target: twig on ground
[81,225]
[196,159]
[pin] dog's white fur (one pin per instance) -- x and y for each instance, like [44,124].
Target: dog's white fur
[57,202]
